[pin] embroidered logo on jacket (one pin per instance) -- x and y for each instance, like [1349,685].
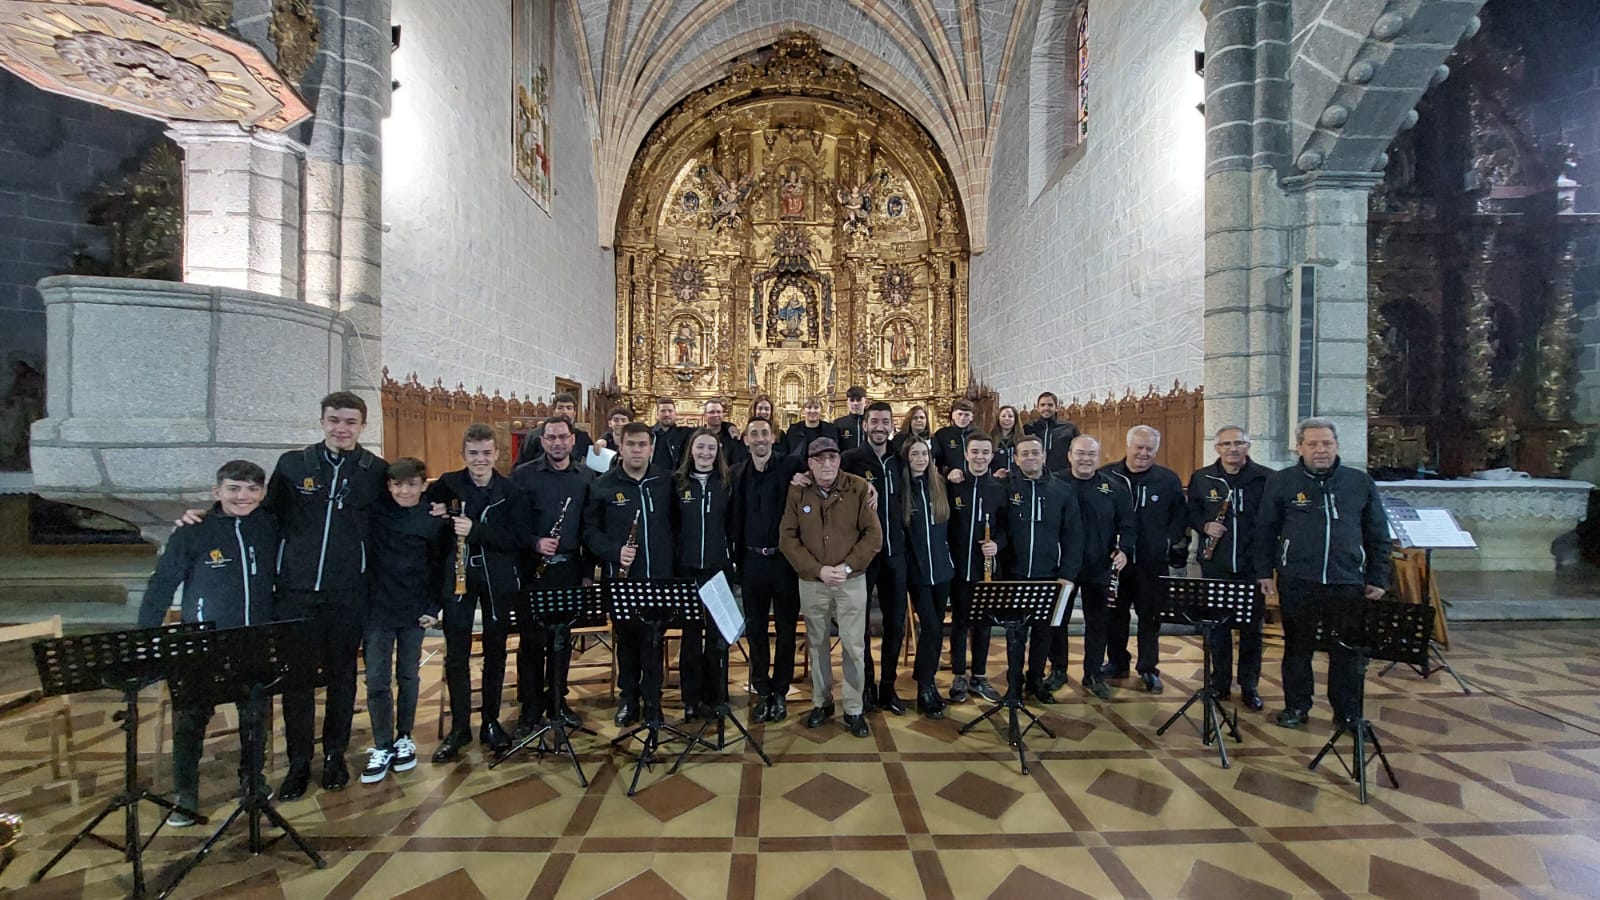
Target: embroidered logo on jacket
[620,500]
[215,559]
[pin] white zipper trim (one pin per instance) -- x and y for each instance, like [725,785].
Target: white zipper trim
[327,520]
[245,567]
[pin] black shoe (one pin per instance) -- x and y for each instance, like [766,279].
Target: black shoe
[335,774]
[454,743]
[1098,687]
[691,713]
[1293,718]
[1041,691]
[819,714]
[527,723]
[1224,696]
[295,783]
[758,708]
[890,701]
[495,737]
[1057,679]
[856,725]
[1252,700]
[627,714]
[569,717]
[1112,670]
[984,688]
[869,700]
[1152,682]
[777,708]
[652,714]
[929,704]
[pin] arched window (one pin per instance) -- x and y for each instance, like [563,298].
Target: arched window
[1083,70]
[1058,91]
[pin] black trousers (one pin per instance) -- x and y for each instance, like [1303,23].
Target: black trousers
[539,665]
[702,655]
[886,575]
[1302,603]
[341,618]
[1140,591]
[1249,649]
[1093,597]
[189,721]
[638,669]
[769,587]
[963,625]
[459,613]
[931,601]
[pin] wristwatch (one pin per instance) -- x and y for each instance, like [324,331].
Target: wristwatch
[848,571]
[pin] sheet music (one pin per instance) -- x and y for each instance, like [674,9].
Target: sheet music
[1433,529]
[1060,611]
[599,460]
[717,597]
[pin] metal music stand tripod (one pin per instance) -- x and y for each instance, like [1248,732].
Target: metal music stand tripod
[556,611]
[1370,629]
[247,666]
[1014,605]
[654,606]
[125,661]
[1208,604]
[723,713]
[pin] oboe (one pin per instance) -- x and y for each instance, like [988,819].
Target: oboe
[1116,577]
[1210,547]
[988,561]
[555,532]
[632,541]
[461,553]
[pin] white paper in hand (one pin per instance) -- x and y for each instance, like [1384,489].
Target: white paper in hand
[599,460]
[716,596]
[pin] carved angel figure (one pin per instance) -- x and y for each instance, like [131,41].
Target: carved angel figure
[855,203]
[727,208]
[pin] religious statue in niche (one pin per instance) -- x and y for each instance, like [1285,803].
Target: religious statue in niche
[791,314]
[792,194]
[947,217]
[895,286]
[686,344]
[897,344]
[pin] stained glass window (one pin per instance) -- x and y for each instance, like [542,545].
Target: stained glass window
[1083,72]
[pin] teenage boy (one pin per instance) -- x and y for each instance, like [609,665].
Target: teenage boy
[494,520]
[619,417]
[975,502]
[853,424]
[950,442]
[323,497]
[411,550]
[224,564]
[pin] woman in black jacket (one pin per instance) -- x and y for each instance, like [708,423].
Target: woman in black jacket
[915,424]
[1007,428]
[700,511]
[930,569]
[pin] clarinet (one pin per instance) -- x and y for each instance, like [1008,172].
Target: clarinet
[555,532]
[1210,548]
[632,541]
[988,561]
[1116,577]
[461,554]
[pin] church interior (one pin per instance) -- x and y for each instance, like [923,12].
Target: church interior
[1241,214]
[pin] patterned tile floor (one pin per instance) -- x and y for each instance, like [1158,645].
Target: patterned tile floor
[1499,796]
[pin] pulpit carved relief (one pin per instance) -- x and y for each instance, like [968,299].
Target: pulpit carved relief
[790,231]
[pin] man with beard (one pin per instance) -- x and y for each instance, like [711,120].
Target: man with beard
[768,585]
[1045,543]
[1224,499]
[667,437]
[563,404]
[887,573]
[1162,542]
[853,424]
[1108,526]
[1056,435]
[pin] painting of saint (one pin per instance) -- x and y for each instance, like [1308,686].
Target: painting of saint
[792,195]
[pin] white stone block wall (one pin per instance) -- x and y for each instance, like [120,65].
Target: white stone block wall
[1096,285]
[480,286]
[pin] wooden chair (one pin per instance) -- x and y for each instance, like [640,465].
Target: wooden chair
[29,705]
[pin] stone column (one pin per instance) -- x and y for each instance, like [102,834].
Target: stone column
[241,199]
[1332,236]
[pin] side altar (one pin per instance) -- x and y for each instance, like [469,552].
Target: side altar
[790,231]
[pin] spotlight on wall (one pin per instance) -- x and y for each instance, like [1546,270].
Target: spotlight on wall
[394,36]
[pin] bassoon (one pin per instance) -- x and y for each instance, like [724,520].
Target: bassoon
[632,541]
[1209,549]
[461,553]
[555,532]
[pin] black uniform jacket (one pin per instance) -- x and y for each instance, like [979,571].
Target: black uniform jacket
[1108,524]
[761,495]
[1209,488]
[1159,510]
[533,447]
[733,449]
[322,500]
[976,500]
[700,521]
[225,566]
[884,476]
[615,498]
[668,447]
[1329,528]
[800,435]
[547,491]
[930,561]
[950,447]
[852,430]
[500,535]
[412,554]
[1044,528]
[1057,435]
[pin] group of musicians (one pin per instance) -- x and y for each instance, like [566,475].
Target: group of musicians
[824,519]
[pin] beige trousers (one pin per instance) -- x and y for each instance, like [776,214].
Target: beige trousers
[846,604]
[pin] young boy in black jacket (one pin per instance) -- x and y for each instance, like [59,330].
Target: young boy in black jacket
[224,564]
[410,552]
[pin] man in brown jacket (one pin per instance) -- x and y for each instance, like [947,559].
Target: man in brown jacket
[829,534]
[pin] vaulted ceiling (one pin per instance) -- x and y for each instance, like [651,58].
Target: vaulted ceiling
[944,61]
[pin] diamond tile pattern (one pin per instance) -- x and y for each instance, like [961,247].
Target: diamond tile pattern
[1134,793]
[981,795]
[827,797]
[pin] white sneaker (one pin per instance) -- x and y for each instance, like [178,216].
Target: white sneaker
[405,754]
[378,760]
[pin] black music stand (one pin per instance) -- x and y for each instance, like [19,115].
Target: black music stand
[125,661]
[247,666]
[557,611]
[1014,605]
[654,606]
[1371,629]
[723,713]
[1208,604]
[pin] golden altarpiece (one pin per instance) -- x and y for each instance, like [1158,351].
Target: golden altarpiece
[790,231]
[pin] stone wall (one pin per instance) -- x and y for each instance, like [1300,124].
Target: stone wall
[1096,285]
[480,286]
[52,150]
